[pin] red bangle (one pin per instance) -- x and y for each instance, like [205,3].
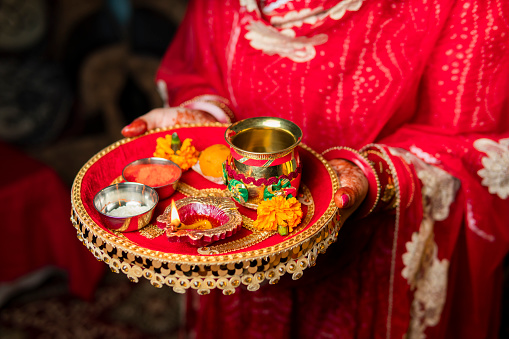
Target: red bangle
[369,204]
[388,198]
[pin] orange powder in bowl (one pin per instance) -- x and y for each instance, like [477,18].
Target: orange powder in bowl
[153,175]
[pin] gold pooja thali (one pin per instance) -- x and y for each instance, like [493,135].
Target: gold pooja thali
[236,248]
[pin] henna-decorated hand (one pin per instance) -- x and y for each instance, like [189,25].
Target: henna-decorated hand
[353,186]
[165,117]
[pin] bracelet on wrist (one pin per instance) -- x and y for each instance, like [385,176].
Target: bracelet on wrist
[380,162]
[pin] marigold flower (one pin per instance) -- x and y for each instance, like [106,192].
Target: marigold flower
[278,211]
[185,157]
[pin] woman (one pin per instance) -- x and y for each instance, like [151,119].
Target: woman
[416,89]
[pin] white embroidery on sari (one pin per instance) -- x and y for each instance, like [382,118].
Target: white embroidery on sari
[495,174]
[428,158]
[439,187]
[472,225]
[269,8]
[306,15]
[298,18]
[284,43]
[250,5]
[429,282]
[424,272]
[338,11]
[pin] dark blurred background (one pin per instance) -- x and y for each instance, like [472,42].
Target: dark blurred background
[72,74]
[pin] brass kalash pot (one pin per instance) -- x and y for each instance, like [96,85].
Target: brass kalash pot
[263,160]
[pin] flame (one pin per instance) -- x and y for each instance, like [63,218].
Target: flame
[174,219]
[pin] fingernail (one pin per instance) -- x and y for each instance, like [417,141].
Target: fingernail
[345,199]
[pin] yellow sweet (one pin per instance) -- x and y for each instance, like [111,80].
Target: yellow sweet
[212,158]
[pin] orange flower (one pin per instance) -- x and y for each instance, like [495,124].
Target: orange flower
[185,157]
[278,211]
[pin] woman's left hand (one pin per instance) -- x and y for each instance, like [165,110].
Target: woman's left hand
[353,186]
[165,117]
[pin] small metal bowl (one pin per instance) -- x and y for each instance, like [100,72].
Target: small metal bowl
[164,191]
[135,196]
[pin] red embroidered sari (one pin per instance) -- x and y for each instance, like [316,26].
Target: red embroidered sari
[428,80]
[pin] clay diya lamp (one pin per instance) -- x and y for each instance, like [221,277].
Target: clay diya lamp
[200,221]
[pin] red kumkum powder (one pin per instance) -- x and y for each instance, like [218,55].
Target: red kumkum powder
[153,175]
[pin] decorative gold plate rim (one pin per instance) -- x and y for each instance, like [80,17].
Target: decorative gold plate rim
[315,238]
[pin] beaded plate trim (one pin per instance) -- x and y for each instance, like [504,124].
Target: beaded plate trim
[226,277]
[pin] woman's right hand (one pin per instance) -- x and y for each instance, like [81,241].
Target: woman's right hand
[165,117]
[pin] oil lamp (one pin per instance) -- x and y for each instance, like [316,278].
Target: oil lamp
[175,223]
[200,221]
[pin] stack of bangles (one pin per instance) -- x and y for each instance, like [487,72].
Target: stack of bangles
[214,105]
[378,168]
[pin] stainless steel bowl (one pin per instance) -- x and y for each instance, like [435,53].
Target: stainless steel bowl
[130,197]
[163,191]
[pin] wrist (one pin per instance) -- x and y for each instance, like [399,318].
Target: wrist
[212,104]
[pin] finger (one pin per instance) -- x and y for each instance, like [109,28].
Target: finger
[150,120]
[344,197]
[137,127]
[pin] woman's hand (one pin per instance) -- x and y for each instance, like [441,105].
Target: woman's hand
[351,239]
[353,186]
[165,117]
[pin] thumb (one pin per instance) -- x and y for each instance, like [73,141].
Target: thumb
[155,118]
[353,186]
[345,197]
